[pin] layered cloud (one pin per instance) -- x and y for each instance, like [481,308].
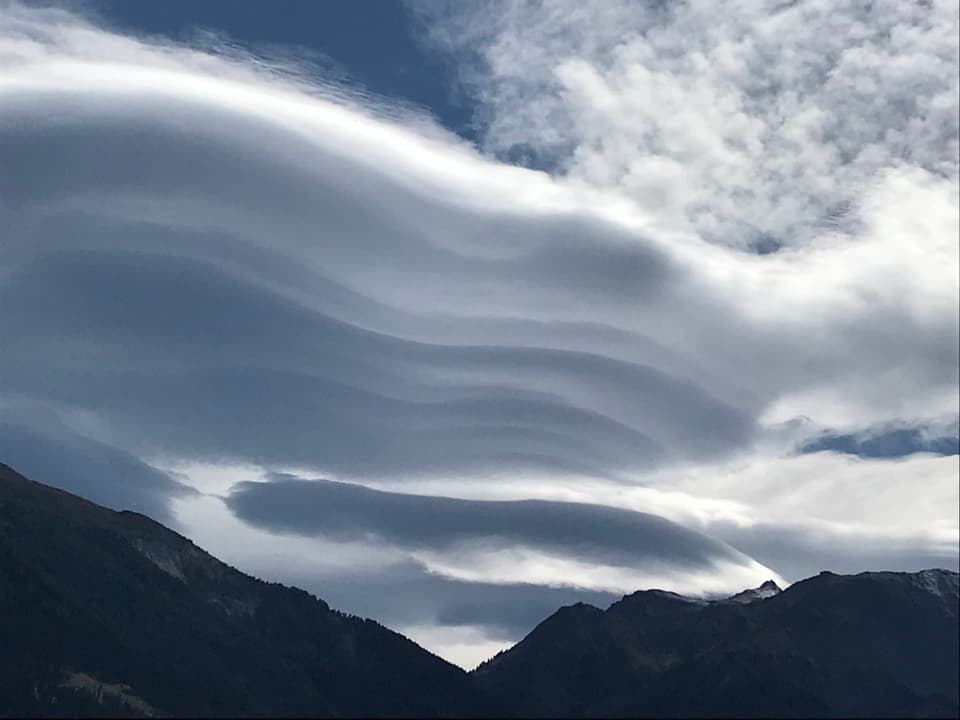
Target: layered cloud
[602,541]
[209,260]
[45,449]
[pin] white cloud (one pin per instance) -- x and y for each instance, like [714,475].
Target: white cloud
[751,121]
[830,130]
[216,265]
[523,565]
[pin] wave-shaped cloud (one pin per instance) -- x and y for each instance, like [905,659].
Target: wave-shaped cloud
[213,365]
[206,258]
[182,226]
[595,534]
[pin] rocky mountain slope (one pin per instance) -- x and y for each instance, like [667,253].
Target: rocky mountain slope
[105,612]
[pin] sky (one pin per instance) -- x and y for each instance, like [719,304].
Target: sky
[455,313]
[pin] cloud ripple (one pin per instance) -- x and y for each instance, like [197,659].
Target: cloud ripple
[209,258]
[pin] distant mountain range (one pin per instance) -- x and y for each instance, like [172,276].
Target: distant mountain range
[107,613]
[868,645]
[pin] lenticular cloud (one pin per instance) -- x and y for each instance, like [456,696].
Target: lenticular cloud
[211,259]
[215,264]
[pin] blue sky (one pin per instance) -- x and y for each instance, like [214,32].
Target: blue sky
[375,46]
[454,313]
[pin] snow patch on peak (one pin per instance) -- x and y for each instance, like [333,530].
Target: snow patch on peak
[767,590]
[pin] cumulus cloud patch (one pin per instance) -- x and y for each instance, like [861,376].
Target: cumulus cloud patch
[759,126]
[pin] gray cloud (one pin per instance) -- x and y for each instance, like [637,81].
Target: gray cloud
[408,594]
[322,361]
[454,534]
[42,449]
[202,363]
[591,533]
[205,260]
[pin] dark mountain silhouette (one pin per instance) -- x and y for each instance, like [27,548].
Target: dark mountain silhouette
[109,613]
[877,644]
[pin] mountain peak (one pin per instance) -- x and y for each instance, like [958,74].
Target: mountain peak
[767,590]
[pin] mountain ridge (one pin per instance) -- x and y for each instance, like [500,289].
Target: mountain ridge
[112,599]
[110,613]
[829,645]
